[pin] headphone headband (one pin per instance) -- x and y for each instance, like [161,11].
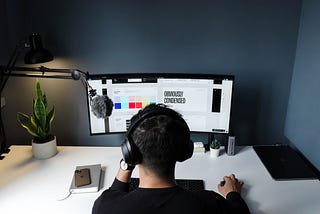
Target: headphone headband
[151,111]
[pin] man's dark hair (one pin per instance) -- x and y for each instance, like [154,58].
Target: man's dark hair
[159,139]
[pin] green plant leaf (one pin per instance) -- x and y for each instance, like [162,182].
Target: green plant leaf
[41,132]
[26,122]
[33,121]
[50,118]
[45,102]
[38,90]
[215,144]
[40,113]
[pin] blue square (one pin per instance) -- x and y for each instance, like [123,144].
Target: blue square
[117,106]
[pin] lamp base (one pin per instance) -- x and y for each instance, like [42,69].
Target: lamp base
[5,150]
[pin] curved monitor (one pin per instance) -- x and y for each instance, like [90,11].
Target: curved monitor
[203,100]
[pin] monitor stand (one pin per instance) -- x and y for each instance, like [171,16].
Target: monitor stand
[283,163]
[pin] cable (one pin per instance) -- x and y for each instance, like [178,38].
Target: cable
[62,199]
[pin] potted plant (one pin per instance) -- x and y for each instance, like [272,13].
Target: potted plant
[38,125]
[215,148]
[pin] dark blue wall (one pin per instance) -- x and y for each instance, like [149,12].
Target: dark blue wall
[303,120]
[254,40]
[3,34]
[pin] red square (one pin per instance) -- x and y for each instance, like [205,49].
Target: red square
[138,105]
[132,105]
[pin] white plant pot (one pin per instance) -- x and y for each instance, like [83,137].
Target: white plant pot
[45,150]
[214,152]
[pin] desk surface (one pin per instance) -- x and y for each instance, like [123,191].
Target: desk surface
[28,185]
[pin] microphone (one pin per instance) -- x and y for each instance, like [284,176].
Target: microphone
[101,106]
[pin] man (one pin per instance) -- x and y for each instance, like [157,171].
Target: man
[156,139]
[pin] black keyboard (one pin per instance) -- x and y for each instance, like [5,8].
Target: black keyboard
[188,184]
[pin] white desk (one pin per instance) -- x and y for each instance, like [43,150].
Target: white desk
[28,185]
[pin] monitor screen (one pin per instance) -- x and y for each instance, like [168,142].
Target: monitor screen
[204,101]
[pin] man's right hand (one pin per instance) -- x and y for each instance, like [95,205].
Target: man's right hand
[231,184]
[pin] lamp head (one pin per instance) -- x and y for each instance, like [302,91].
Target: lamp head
[37,54]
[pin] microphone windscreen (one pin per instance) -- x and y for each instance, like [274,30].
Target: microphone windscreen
[101,106]
[109,105]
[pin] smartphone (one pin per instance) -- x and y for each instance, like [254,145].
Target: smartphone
[82,177]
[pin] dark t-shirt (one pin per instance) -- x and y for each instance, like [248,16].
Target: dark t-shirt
[117,199]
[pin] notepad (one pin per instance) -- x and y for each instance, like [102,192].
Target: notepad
[94,186]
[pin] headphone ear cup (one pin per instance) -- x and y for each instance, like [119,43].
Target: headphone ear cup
[125,148]
[130,152]
[186,152]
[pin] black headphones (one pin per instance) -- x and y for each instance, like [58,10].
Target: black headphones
[130,151]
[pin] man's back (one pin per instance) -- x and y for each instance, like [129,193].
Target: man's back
[118,200]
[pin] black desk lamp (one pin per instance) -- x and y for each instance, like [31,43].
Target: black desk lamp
[36,54]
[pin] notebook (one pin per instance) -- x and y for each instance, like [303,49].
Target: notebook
[94,186]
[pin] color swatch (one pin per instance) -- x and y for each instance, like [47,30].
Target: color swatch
[133,102]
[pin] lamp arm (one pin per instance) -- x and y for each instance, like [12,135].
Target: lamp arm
[4,76]
[44,72]
[5,72]
[15,54]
